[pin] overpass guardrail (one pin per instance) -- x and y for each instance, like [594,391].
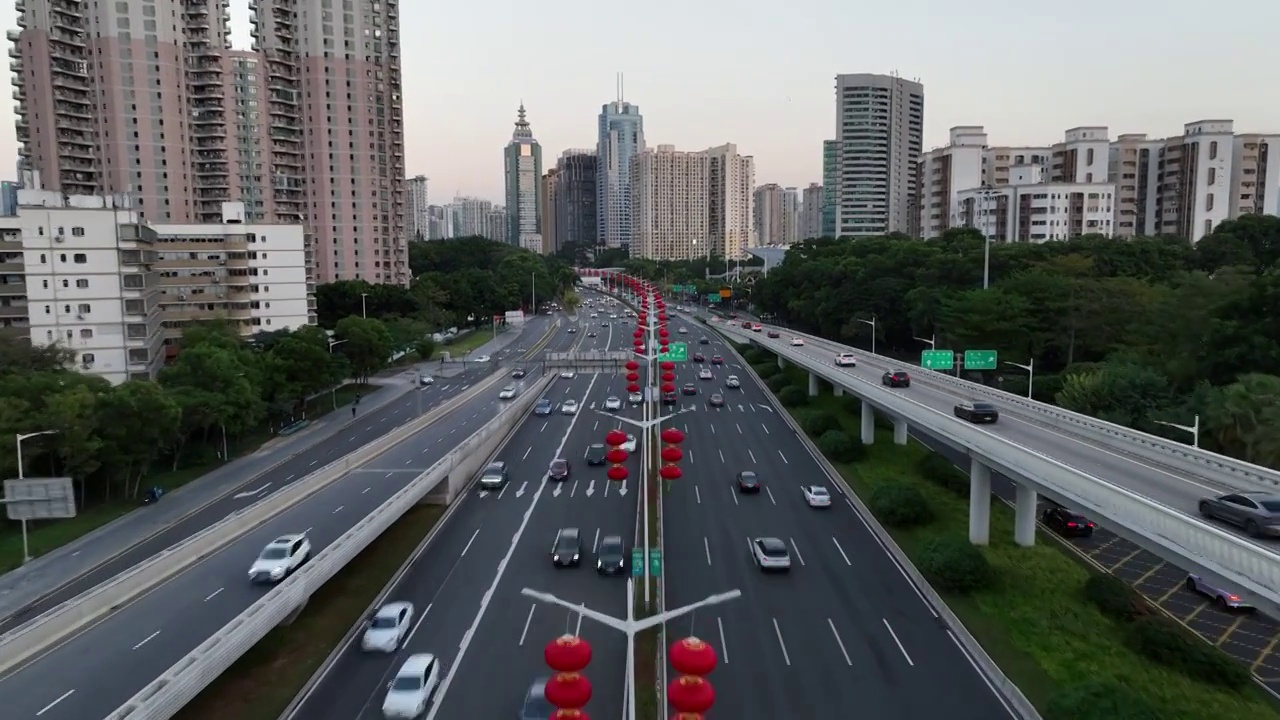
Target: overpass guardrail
[185,679]
[1248,566]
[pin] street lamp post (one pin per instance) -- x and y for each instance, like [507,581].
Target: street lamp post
[986,238]
[1030,367]
[931,341]
[334,392]
[872,323]
[631,626]
[26,548]
[364,307]
[1193,428]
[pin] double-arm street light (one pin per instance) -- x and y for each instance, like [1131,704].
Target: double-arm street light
[26,548]
[334,392]
[872,323]
[1030,367]
[1193,428]
[630,626]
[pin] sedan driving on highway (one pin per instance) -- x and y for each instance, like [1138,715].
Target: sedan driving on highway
[519,373]
[896,379]
[1256,512]
[717,360]
[748,482]
[797,342]
[732,382]
[387,628]
[612,403]
[635,398]
[977,412]
[481,358]
[817,496]
[716,400]
[630,444]
[1066,522]
[507,392]
[412,688]
[569,407]
[770,554]
[559,470]
[611,557]
[543,408]
[703,341]
[426,380]
[567,550]
[689,389]
[699,357]
[705,374]
[1223,598]
[846,360]
[280,558]
[774,334]
[568,374]
[595,454]
[494,476]
[669,398]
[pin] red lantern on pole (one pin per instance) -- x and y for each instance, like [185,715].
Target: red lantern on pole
[687,693]
[633,388]
[638,343]
[668,388]
[667,365]
[672,436]
[671,472]
[575,714]
[637,334]
[692,656]
[673,454]
[668,377]
[664,333]
[616,456]
[617,473]
[567,653]
[633,377]
[615,438]
[572,691]
[632,365]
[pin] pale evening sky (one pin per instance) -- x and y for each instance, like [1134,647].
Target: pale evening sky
[760,74]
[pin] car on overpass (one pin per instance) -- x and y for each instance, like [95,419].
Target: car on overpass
[630,444]
[669,398]
[976,411]
[732,382]
[1256,512]
[774,334]
[568,374]
[387,628]
[689,389]
[612,403]
[846,360]
[705,374]
[797,342]
[507,392]
[699,357]
[494,475]
[717,359]
[896,379]
[635,398]
[426,380]
[280,558]
[519,373]
[413,687]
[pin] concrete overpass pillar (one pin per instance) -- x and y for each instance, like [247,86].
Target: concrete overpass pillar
[838,391]
[979,502]
[899,431]
[813,385]
[781,363]
[1024,519]
[868,423]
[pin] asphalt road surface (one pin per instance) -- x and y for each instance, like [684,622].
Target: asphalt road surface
[98,670]
[845,633]
[466,585]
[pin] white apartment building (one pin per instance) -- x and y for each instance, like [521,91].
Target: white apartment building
[670,204]
[731,201]
[1034,208]
[417,216]
[811,212]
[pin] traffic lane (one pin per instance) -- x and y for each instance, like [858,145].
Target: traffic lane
[111,661]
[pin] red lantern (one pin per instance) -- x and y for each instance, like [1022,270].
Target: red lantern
[688,716]
[662,316]
[667,365]
[576,714]
[633,377]
[692,656]
[615,438]
[664,333]
[672,436]
[617,472]
[671,472]
[668,388]
[616,456]
[668,377]
[632,365]
[567,653]
[571,690]
[672,454]
[638,343]
[664,346]
[687,693]
[637,334]
[633,388]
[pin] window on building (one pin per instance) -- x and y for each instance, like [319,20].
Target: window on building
[87,358]
[1208,202]
[83,309]
[1213,149]
[1213,175]
[77,232]
[86,333]
[82,283]
[80,258]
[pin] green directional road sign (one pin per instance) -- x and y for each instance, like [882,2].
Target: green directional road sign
[678,352]
[637,562]
[937,359]
[713,298]
[980,360]
[655,562]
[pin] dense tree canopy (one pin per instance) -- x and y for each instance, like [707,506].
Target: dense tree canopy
[1135,332]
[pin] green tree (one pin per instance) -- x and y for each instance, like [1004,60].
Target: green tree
[135,421]
[216,389]
[367,344]
[73,415]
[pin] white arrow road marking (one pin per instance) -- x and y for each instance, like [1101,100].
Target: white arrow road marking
[623,490]
[765,407]
[591,488]
[484,493]
[251,493]
[556,492]
[523,485]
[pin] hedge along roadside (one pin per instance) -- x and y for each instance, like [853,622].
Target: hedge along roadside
[1014,700]
[21,645]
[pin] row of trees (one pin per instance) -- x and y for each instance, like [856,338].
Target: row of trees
[109,438]
[1134,332]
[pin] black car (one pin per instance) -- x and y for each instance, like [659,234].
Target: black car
[896,379]
[669,398]
[699,357]
[1066,523]
[559,470]
[518,374]
[703,341]
[774,334]
[689,389]
[977,412]
[591,334]
[543,408]
[595,454]
[611,556]
[567,550]
[748,482]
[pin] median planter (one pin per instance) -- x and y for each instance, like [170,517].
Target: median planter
[1100,700]
[952,564]
[900,505]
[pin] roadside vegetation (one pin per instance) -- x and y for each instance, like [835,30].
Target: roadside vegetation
[1082,645]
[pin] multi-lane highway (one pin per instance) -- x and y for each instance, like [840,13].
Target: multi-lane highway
[466,586]
[845,631]
[96,671]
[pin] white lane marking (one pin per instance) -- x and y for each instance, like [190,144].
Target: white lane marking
[739,428]
[842,554]
[526,453]
[573,489]
[313,463]
[766,427]
[724,648]
[706,545]
[544,426]
[418,624]
[797,550]
[409,461]
[503,490]
[839,642]
[524,633]
[734,491]
[770,493]
[389,474]
[595,543]
[338,509]
[690,456]
[897,642]
[713,429]
[365,490]
[784,457]
[304,532]
[213,594]
[473,539]
[753,457]
[49,707]
[778,632]
[146,639]
[697,494]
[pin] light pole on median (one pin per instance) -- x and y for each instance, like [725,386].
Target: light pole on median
[631,626]
[18,438]
[334,392]
[364,307]
[1193,428]
[872,323]
[1030,367]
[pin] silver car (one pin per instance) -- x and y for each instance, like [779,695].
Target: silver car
[1223,598]
[612,403]
[388,628]
[1258,513]
[770,554]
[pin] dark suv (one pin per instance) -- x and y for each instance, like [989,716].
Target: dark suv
[977,412]
[896,379]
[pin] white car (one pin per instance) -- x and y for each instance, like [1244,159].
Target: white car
[426,380]
[595,315]
[388,628]
[569,407]
[797,342]
[683,331]
[817,496]
[279,558]
[568,374]
[413,687]
[732,382]
[612,403]
[507,392]
[630,444]
[705,374]
[635,398]
[770,554]
[846,360]
[481,358]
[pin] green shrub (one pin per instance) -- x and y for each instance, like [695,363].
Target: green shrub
[839,447]
[953,564]
[937,469]
[792,396]
[1114,598]
[778,382]
[1160,641]
[1099,700]
[819,422]
[766,370]
[755,355]
[882,421]
[900,505]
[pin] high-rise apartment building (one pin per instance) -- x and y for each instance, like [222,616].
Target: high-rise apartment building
[946,171]
[671,206]
[471,217]
[550,232]
[830,184]
[522,162]
[730,199]
[149,99]
[496,223]
[620,138]
[768,215]
[439,222]
[418,217]
[576,198]
[880,130]
[811,212]
[790,215]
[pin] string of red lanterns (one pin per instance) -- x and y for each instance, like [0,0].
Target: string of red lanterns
[691,694]
[616,456]
[568,690]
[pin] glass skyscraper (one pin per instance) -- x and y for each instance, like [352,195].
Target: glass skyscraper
[621,138]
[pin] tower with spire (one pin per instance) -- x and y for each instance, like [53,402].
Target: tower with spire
[522,164]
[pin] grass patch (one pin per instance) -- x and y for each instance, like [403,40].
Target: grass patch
[49,535]
[262,683]
[468,342]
